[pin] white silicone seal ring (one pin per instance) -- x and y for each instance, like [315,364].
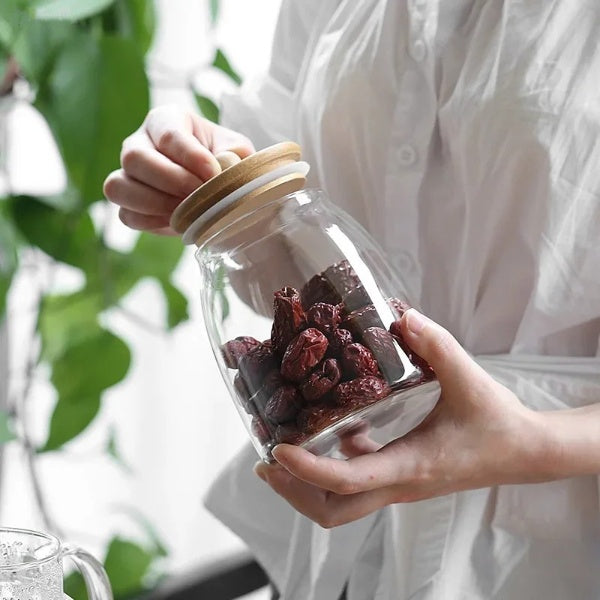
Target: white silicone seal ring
[191,233]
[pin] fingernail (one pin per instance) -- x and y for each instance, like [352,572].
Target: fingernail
[209,169]
[278,453]
[259,470]
[275,451]
[415,321]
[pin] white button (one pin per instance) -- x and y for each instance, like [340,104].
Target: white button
[418,50]
[407,155]
[405,263]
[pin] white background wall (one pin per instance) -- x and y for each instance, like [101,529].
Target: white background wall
[174,421]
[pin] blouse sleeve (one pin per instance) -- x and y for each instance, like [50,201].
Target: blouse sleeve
[263,109]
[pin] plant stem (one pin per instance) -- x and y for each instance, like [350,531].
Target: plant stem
[139,320]
[20,409]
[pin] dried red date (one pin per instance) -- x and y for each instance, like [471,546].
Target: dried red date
[343,278]
[356,298]
[318,289]
[304,352]
[284,404]
[316,418]
[243,395]
[358,361]
[400,306]
[385,350]
[255,365]
[359,320]
[234,350]
[338,283]
[260,430]
[288,433]
[322,380]
[396,331]
[324,317]
[327,332]
[360,392]
[272,381]
[288,318]
[338,340]
[415,359]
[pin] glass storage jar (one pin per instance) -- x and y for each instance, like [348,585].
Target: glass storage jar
[302,309]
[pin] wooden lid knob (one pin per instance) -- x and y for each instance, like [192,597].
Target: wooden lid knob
[236,173]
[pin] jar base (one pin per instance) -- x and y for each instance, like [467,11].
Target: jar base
[385,421]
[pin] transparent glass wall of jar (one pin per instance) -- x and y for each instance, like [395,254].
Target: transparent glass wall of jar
[302,312]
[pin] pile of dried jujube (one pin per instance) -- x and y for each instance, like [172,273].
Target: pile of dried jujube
[329,355]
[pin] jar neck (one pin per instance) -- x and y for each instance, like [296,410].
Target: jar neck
[255,223]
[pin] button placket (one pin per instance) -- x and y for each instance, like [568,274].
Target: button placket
[413,123]
[417,47]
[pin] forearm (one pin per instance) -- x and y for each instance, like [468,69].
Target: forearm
[571,445]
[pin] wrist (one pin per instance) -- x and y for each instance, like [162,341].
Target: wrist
[565,443]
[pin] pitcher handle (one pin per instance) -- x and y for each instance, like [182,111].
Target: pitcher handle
[94,575]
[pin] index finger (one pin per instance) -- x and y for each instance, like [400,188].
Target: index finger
[386,467]
[172,134]
[325,508]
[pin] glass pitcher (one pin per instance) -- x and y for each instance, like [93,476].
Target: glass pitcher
[302,309]
[31,567]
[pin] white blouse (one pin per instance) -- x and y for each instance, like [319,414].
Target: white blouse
[465,136]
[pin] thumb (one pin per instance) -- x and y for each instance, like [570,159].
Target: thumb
[452,364]
[227,140]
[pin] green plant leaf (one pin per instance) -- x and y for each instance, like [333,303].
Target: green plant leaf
[69,10]
[155,256]
[97,95]
[113,451]
[13,16]
[133,19]
[68,237]
[159,549]
[80,376]
[8,256]
[74,586]
[118,272]
[222,63]
[69,419]
[6,432]
[220,291]
[113,278]
[224,304]
[3,64]
[208,108]
[67,201]
[36,48]
[213,6]
[5,281]
[69,319]
[127,565]
[177,304]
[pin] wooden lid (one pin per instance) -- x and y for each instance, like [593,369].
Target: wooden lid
[232,178]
